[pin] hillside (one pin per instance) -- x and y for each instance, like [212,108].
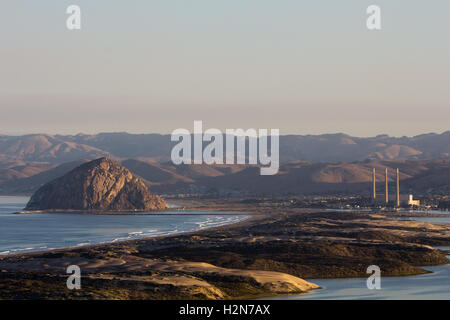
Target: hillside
[45,148]
[425,176]
[329,163]
[315,148]
[298,177]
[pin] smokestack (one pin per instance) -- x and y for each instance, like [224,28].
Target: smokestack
[398,188]
[387,187]
[374,184]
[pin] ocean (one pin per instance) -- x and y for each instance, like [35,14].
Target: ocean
[45,231]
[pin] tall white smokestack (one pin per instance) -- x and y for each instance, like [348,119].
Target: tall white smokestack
[374,185]
[398,188]
[387,187]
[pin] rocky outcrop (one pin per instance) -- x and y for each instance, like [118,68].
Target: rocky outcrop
[99,185]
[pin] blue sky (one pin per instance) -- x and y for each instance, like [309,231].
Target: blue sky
[304,67]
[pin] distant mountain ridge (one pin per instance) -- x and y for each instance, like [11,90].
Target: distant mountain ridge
[45,148]
[297,177]
[56,149]
[329,163]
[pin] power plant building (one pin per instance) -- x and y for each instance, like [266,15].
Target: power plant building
[399,198]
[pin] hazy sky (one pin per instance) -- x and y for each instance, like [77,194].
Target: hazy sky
[304,67]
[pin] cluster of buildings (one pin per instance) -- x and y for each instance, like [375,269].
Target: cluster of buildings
[399,199]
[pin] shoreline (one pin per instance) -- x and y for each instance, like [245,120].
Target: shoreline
[247,218]
[252,216]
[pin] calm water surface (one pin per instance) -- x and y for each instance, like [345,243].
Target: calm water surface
[44,231]
[435,285]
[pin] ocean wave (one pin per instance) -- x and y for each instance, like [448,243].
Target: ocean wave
[120,239]
[82,244]
[16,250]
[25,249]
[173,228]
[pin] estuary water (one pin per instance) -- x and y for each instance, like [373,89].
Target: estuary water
[432,286]
[45,231]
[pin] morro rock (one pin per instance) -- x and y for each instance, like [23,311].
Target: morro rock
[99,185]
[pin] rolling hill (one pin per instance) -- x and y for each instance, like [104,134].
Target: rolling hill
[299,177]
[58,149]
[329,163]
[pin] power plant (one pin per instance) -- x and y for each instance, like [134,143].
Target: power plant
[407,199]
